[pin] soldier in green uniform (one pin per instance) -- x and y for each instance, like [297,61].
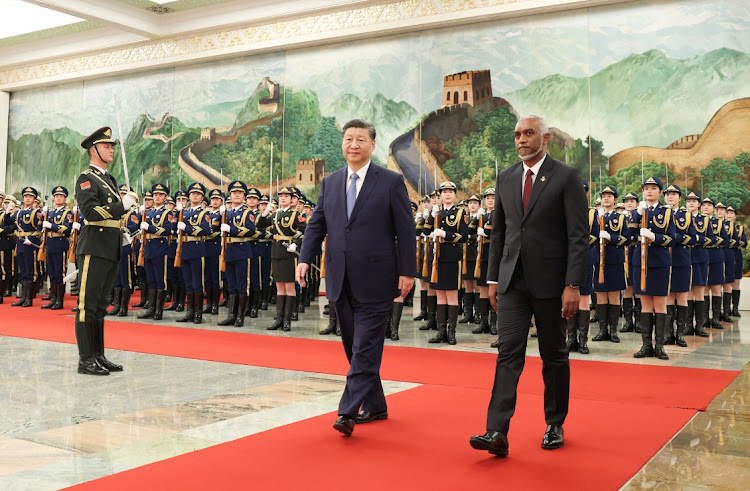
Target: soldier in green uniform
[98,250]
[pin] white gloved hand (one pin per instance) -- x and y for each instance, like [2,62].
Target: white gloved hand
[431,236]
[435,210]
[76,226]
[144,225]
[481,232]
[222,209]
[142,209]
[45,209]
[603,234]
[180,207]
[481,211]
[129,200]
[648,234]
[46,224]
[181,226]
[291,247]
[267,211]
[439,232]
[75,210]
[225,227]
[26,241]
[697,239]
[642,206]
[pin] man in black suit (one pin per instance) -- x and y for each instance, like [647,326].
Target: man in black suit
[537,261]
[370,259]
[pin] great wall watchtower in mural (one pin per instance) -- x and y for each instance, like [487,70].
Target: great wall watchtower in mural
[473,88]
[310,172]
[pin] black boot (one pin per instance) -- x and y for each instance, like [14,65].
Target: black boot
[255,307]
[331,329]
[707,321]
[476,307]
[452,319]
[160,299]
[701,313]
[727,300]
[124,302]
[215,301]
[669,336]
[647,326]
[493,320]
[594,312]
[209,298]
[225,298]
[409,300]
[172,294]
[422,306]
[660,327]
[272,297]
[583,332]
[148,313]
[468,309]
[87,362]
[388,326]
[232,311]
[22,299]
[682,319]
[198,302]
[190,311]
[278,323]
[118,301]
[99,348]
[180,298]
[484,317]
[59,297]
[295,307]
[242,305]
[637,314]
[396,312]
[301,300]
[601,314]
[51,297]
[571,327]
[441,319]
[736,303]
[431,314]
[689,327]
[716,312]
[144,297]
[627,310]
[289,313]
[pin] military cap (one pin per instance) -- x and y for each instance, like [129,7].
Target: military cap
[124,188]
[8,199]
[720,204]
[598,201]
[252,193]
[148,195]
[630,195]
[693,195]
[60,190]
[275,202]
[414,206]
[620,206]
[159,188]
[489,192]
[308,203]
[731,208]
[102,135]
[28,190]
[170,199]
[264,199]
[673,189]
[448,185]
[180,194]
[286,190]
[197,187]
[297,192]
[426,198]
[237,186]
[227,198]
[473,197]
[708,200]
[585,185]
[653,180]
[609,189]
[216,193]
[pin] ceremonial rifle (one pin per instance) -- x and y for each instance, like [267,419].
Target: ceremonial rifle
[480,242]
[602,249]
[436,254]
[222,260]
[180,233]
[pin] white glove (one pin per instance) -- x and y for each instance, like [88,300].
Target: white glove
[181,226]
[225,227]
[45,209]
[697,239]
[129,200]
[222,209]
[46,224]
[26,241]
[76,226]
[180,207]
[75,210]
[142,209]
[480,232]
[648,234]
[435,210]
[480,211]
[603,234]
[144,225]
[267,211]
[642,206]
[291,247]
[439,232]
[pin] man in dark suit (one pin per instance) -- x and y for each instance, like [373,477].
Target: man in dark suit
[370,259]
[537,261]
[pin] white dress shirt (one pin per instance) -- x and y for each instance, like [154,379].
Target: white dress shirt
[361,173]
[534,172]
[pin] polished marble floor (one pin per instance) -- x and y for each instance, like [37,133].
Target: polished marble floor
[52,436]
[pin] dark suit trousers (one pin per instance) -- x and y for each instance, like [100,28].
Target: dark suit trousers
[515,308]
[363,333]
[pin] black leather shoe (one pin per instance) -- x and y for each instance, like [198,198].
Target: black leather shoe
[368,417]
[344,424]
[112,367]
[91,367]
[553,437]
[494,442]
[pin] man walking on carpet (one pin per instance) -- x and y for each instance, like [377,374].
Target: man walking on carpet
[370,259]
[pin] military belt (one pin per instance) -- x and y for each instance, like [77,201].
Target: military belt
[104,223]
[191,238]
[155,236]
[28,234]
[55,234]
[282,237]
[232,240]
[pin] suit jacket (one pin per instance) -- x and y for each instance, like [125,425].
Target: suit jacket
[551,238]
[374,246]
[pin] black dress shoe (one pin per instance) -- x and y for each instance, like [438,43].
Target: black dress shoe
[494,442]
[368,416]
[91,367]
[553,437]
[112,367]
[344,424]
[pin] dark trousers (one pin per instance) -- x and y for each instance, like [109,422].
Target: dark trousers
[362,333]
[238,274]
[515,308]
[156,272]
[26,261]
[96,276]
[124,270]
[57,263]
[211,272]
[192,273]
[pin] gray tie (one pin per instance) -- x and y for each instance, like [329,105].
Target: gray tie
[351,195]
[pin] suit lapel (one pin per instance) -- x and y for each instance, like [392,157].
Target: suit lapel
[544,176]
[373,174]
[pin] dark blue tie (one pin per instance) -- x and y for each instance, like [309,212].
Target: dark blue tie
[351,194]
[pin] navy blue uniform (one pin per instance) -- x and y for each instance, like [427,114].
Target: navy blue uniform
[157,247]
[28,226]
[131,221]
[685,238]
[659,257]
[455,223]
[728,251]
[213,251]
[592,260]
[614,254]
[716,252]
[7,246]
[239,249]
[704,237]
[740,243]
[61,220]
[197,228]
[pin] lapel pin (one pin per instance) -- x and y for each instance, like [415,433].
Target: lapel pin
[544,178]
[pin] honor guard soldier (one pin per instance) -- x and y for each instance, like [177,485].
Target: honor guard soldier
[175,282]
[98,250]
[265,239]
[148,203]
[699,256]
[252,199]
[739,244]
[287,227]
[156,230]
[211,274]
[7,245]
[487,316]
[239,227]
[28,233]
[59,225]
[194,227]
[450,227]
[469,262]
[715,263]
[721,214]
[679,283]
[421,241]
[426,267]
[614,233]
[658,236]
[131,224]
[297,203]
[631,306]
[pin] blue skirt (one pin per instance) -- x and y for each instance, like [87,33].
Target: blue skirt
[680,281]
[657,282]
[738,264]
[614,278]
[729,270]
[700,274]
[449,277]
[716,273]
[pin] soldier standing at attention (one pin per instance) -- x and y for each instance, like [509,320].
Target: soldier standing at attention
[156,230]
[213,251]
[124,283]
[721,214]
[195,227]
[470,261]
[264,253]
[59,224]
[740,242]
[715,263]
[98,250]
[148,203]
[699,265]
[7,245]
[29,226]
[631,307]
[679,283]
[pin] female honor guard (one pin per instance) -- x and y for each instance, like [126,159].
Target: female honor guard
[421,240]
[658,236]
[194,227]
[131,224]
[487,316]
[59,225]
[721,214]
[287,227]
[704,237]
[28,233]
[631,307]
[469,262]
[7,245]
[739,244]
[265,240]
[156,230]
[614,233]
[715,263]
[450,227]
[213,251]
[148,203]
[239,228]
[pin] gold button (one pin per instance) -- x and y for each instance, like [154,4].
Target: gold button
[101,230]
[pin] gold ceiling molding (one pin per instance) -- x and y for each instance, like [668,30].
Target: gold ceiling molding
[370,20]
